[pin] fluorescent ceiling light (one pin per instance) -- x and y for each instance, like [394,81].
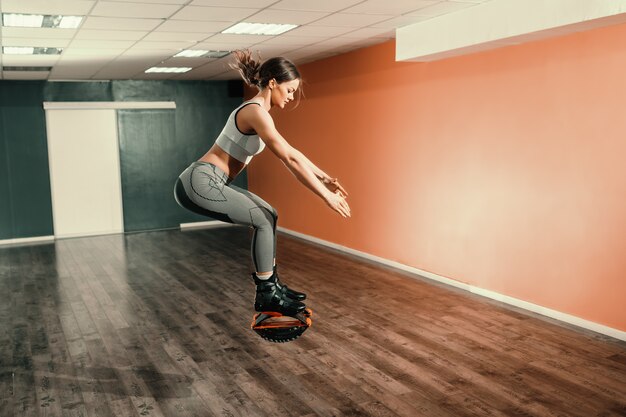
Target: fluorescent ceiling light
[259,28]
[29,50]
[195,53]
[168,69]
[17,50]
[41,21]
[22,20]
[70,22]
[216,54]
[190,53]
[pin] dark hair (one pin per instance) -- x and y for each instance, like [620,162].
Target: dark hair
[256,74]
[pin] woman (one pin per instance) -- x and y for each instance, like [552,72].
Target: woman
[205,186]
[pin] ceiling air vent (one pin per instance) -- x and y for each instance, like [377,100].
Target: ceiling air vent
[26,69]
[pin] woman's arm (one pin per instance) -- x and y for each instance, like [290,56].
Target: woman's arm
[321,175]
[296,162]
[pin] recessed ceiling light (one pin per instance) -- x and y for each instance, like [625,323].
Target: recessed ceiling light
[190,53]
[22,20]
[259,28]
[216,54]
[195,53]
[168,69]
[29,50]
[69,22]
[41,21]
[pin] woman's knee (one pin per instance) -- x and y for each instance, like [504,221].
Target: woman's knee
[262,217]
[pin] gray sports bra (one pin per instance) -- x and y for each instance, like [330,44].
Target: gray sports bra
[239,145]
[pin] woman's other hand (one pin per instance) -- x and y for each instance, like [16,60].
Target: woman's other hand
[337,202]
[332,184]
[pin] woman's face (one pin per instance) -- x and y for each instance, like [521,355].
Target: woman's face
[283,93]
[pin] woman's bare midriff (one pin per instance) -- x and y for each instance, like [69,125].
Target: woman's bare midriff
[223,161]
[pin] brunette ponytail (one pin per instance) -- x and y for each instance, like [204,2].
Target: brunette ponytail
[247,67]
[256,74]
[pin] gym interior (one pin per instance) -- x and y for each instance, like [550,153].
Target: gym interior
[482,269]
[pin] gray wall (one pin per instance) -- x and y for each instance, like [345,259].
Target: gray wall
[155,146]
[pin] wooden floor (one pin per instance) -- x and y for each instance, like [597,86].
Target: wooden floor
[157,324]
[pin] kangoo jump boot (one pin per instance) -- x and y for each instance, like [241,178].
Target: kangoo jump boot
[296,295]
[269,297]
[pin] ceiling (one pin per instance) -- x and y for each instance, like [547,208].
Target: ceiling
[120,39]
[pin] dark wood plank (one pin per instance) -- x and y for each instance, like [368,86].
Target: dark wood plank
[157,324]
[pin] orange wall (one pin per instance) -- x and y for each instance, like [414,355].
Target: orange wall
[504,169]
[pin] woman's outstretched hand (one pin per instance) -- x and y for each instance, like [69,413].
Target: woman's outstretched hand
[333,185]
[337,198]
[338,203]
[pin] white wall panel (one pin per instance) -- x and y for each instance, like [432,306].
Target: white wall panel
[84,162]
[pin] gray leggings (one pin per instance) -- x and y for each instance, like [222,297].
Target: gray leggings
[205,189]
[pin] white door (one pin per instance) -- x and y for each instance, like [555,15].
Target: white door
[83,153]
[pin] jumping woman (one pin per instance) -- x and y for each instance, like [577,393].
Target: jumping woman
[205,186]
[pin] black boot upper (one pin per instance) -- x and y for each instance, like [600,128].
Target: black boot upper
[269,297]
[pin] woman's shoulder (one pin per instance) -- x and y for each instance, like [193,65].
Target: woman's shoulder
[254,115]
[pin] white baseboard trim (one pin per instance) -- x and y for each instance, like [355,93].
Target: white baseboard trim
[26,240]
[205,225]
[89,234]
[567,318]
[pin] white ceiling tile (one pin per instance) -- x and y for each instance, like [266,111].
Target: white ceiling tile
[26,75]
[390,7]
[216,46]
[42,33]
[73,72]
[104,44]
[186,62]
[214,67]
[29,60]
[84,60]
[318,5]
[400,21]
[115,23]
[229,14]
[362,43]
[177,36]
[369,32]
[334,43]
[178,45]
[268,51]
[442,8]
[112,9]
[259,4]
[311,58]
[44,43]
[298,41]
[152,1]
[148,54]
[318,31]
[115,72]
[196,27]
[229,75]
[92,53]
[351,20]
[238,40]
[119,35]
[124,68]
[286,17]
[311,50]
[65,7]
